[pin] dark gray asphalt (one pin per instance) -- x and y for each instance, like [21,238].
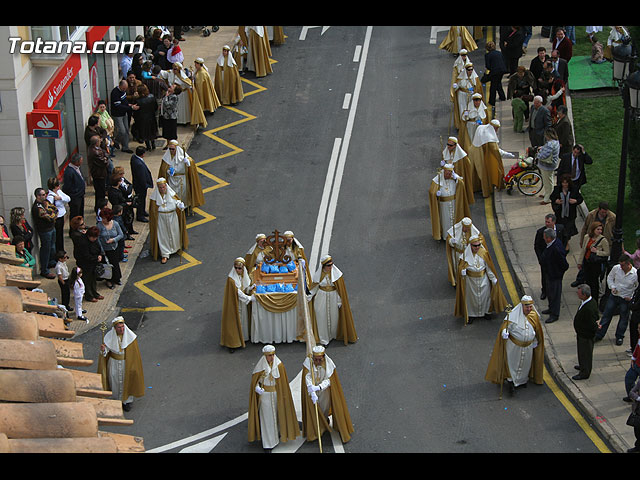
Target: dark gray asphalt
[414,382]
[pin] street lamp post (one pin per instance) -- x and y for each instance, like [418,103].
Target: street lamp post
[629,84]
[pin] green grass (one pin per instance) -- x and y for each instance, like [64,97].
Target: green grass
[598,123]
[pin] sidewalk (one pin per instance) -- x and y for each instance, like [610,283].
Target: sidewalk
[194,46]
[518,217]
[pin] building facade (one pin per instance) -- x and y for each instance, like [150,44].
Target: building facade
[46,99]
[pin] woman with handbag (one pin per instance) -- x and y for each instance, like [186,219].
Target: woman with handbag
[88,254]
[110,235]
[595,251]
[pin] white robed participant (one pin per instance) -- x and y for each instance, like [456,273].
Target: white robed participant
[243,285]
[167,231]
[448,201]
[326,300]
[518,353]
[458,238]
[120,364]
[475,115]
[477,290]
[455,155]
[178,163]
[272,415]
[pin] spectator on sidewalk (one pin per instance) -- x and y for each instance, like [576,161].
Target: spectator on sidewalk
[511,40]
[120,110]
[56,196]
[23,254]
[554,264]
[169,113]
[44,216]
[634,320]
[539,122]
[109,237]
[145,117]
[585,324]
[19,226]
[494,63]
[142,180]
[539,244]
[631,377]
[635,256]
[560,67]
[593,258]
[622,282]
[548,160]
[88,254]
[537,62]
[98,168]
[74,185]
[62,272]
[563,44]
[565,199]
[573,164]
[564,130]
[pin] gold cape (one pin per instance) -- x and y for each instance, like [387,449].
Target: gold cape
[133,373]
[346,330]
[206,92]
[228,84]
[197,114]
[338,411]
[153,228]
[260,49]
[231,329]
[196,197]
[463,168]
[450,43]
[462,207]
[449,252]
[278,35]
[498,300]
[498,369]
[287,421]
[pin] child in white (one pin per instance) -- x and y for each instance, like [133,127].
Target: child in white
[75,279]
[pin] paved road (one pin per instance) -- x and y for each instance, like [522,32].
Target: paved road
[415,380]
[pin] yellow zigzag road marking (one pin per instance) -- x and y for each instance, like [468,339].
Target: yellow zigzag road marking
[169,306]
[515,299]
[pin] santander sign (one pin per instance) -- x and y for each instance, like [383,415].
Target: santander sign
[59,82]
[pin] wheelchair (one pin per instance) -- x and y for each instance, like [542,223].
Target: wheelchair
[525,175]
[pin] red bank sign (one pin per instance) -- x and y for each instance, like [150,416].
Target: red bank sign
[45,123]
[58,84]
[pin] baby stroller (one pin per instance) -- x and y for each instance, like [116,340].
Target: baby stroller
[525,174]
[206,31]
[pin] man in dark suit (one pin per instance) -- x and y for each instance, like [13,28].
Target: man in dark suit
[73,184]
[585,323]
[563,44]
[560,68]
[564,130]
[537,62]
[553,262]
[573,163]
[141,180]
[539,244]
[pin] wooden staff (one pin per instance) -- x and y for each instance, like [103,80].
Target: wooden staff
[303,309]
[508,309]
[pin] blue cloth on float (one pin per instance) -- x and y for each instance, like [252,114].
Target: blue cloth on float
[261,289]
